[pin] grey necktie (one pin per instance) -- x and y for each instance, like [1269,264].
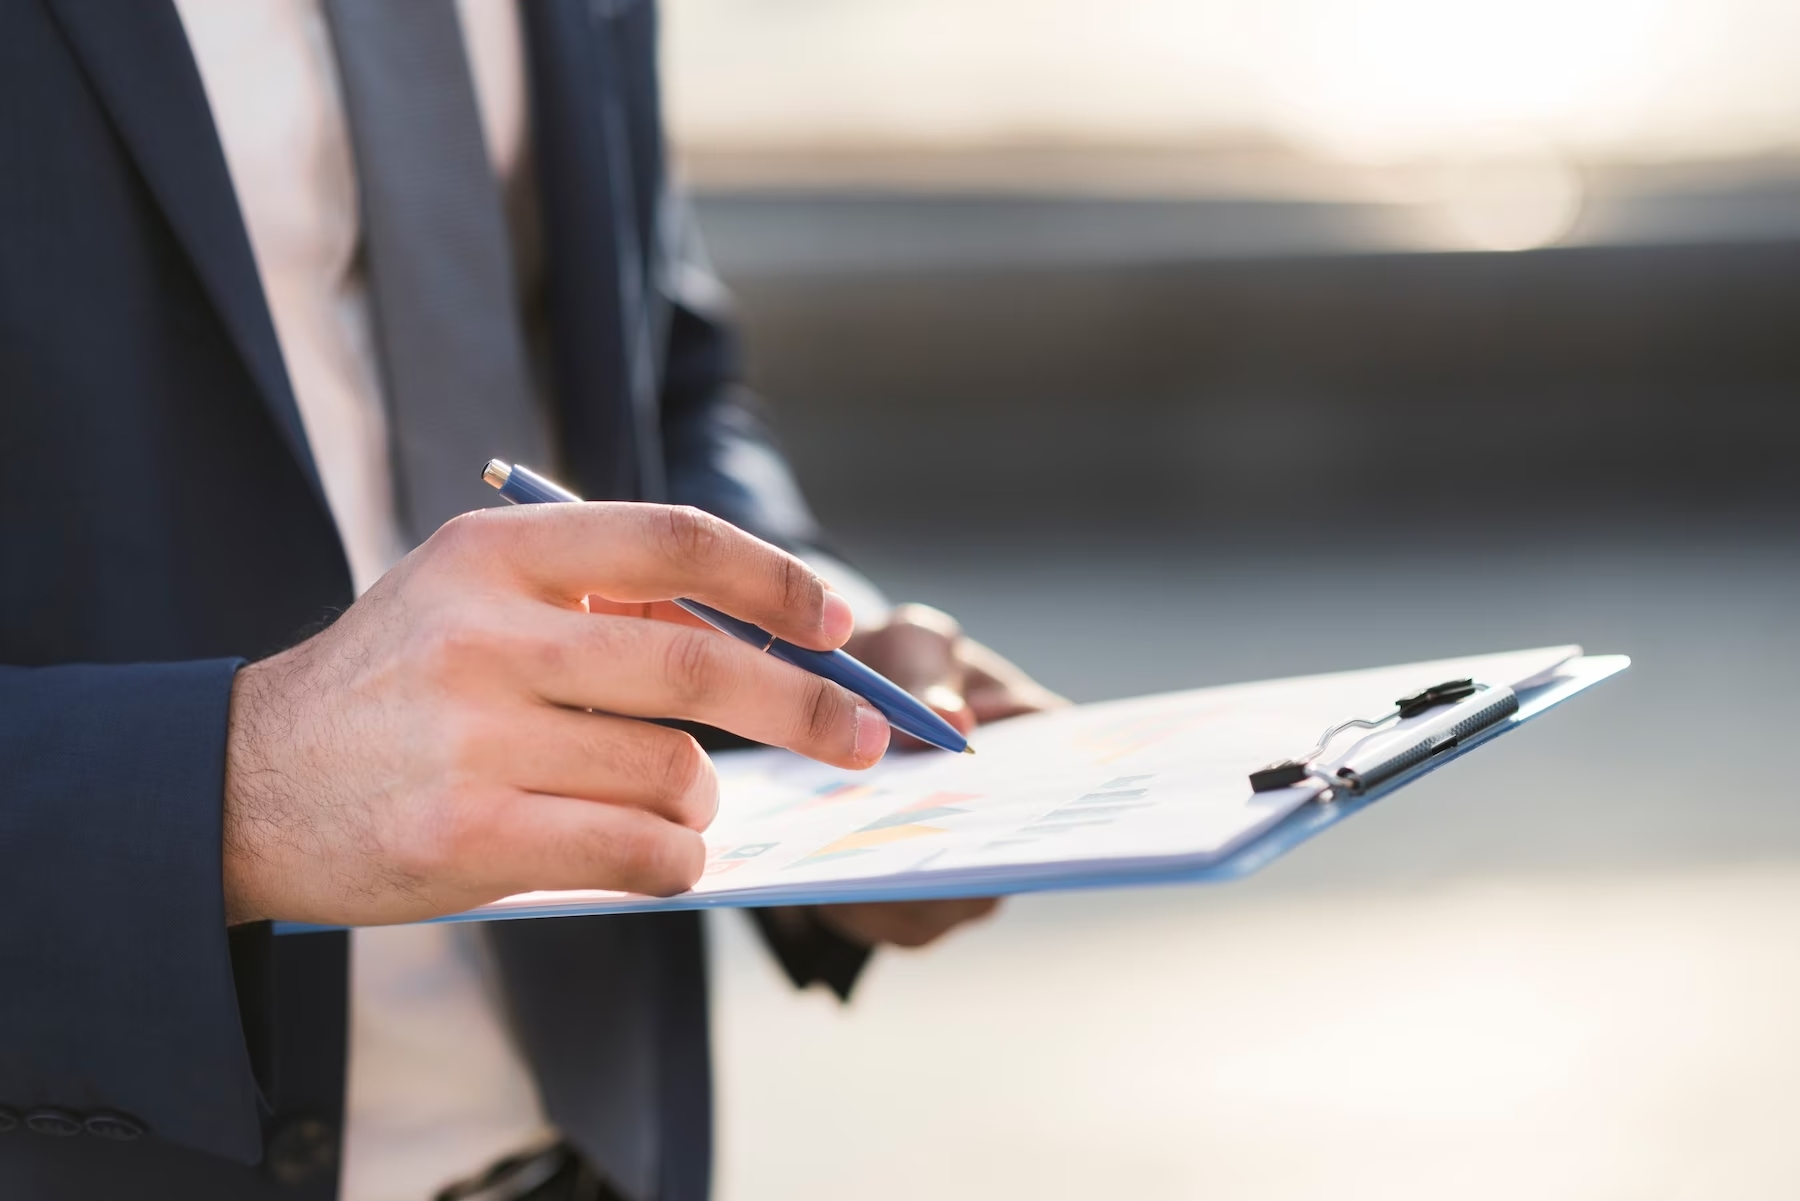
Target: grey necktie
[459,392]
[439,260]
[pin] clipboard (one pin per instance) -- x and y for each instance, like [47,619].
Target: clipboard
[1297,816]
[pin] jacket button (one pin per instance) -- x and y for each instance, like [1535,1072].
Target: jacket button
[300,1149]
[115,1126]
[59,1122]
[8,1120]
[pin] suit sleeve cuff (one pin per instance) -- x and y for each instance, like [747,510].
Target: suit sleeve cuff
[122,989]
[809,951]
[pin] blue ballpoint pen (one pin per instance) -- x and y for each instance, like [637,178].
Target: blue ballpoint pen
[904,711]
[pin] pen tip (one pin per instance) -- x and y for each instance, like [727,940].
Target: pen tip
[968,750]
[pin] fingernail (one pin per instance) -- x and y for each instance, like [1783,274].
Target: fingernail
[871,733]
[838,620]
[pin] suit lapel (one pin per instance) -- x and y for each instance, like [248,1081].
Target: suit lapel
[137,57]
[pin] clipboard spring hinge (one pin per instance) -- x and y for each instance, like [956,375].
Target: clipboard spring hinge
[1286,773]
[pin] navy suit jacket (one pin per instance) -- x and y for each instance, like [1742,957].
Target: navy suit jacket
[161,521]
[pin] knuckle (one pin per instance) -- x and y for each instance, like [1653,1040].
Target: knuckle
[444,640]
[451,843]
[679,766]
[596,854]
[455,640]
[694,666]
[824,710]
[607,853]
[550,658]
[696,791]
[647,855]
[464,533]
[691,536]
[463,835]
[462,744]
[799,588]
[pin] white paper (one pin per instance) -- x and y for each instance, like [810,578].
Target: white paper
[1154,779]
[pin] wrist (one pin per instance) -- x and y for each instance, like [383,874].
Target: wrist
[250,799]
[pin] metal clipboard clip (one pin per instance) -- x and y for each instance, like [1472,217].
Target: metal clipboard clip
[1469,707]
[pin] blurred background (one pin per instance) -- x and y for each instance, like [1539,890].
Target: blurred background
[1176,342]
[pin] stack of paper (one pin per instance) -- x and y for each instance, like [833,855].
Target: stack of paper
[1103,791]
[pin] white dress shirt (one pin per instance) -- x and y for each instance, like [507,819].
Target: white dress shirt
[437,1089]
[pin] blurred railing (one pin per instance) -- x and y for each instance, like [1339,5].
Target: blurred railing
[1053,350]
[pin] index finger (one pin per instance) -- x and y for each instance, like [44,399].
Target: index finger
[633,553]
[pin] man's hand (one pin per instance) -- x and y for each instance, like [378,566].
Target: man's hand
[468,729]
[924,651]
